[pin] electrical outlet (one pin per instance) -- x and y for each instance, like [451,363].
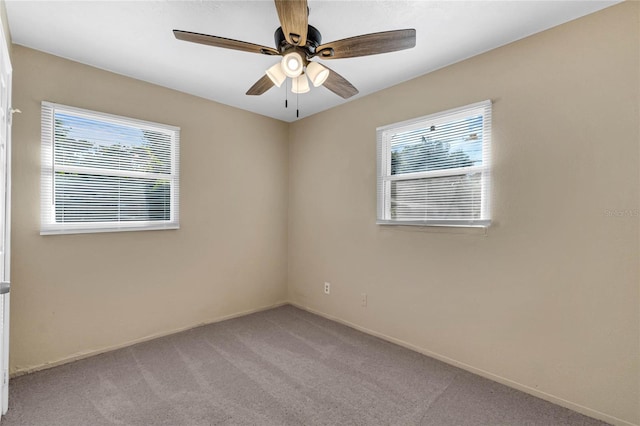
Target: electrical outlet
[327,288]
[363,300]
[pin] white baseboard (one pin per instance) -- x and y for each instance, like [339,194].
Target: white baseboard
[85,354]
[491,376]
[496,378]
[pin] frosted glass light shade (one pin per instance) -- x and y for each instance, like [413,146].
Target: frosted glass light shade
[292,64]
[317,73]
[300,84]
[276,74]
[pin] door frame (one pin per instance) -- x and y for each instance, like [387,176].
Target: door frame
[6,73]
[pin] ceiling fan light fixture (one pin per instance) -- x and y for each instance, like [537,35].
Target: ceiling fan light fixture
[276,74]
[317,73]
[292,64]
[300,84]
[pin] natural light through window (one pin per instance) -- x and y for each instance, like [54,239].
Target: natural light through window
[102,172]
[435,170]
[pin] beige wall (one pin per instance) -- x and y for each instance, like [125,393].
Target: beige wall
[547,300]
[74,294]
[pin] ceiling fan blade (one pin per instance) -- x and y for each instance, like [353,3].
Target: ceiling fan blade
[260,86]
[368,44]
[339,85]
[225,43]
[293,15]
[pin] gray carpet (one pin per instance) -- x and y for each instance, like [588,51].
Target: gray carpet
[279,367]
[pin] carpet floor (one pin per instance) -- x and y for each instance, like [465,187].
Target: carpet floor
[283,366]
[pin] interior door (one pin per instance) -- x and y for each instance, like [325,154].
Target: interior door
[5,217]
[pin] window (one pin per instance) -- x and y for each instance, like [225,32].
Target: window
[102,172]
[434,170]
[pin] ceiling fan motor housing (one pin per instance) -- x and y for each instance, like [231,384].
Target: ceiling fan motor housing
[314,38]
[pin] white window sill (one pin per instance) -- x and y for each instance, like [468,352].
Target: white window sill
[447,223]
[89,230]
[394,226]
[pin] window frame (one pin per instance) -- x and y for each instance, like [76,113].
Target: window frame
[384,135]
[48,224]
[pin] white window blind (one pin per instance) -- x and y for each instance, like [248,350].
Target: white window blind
[102,172]
[435,170]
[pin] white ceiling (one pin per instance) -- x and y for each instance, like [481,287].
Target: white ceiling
[135,38]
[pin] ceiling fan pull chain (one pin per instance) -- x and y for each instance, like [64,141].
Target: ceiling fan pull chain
[297,105]
[286,94]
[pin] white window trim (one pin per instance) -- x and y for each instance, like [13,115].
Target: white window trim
[48,224]
[384,134]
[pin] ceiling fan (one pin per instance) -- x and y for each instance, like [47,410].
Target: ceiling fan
[298,43]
